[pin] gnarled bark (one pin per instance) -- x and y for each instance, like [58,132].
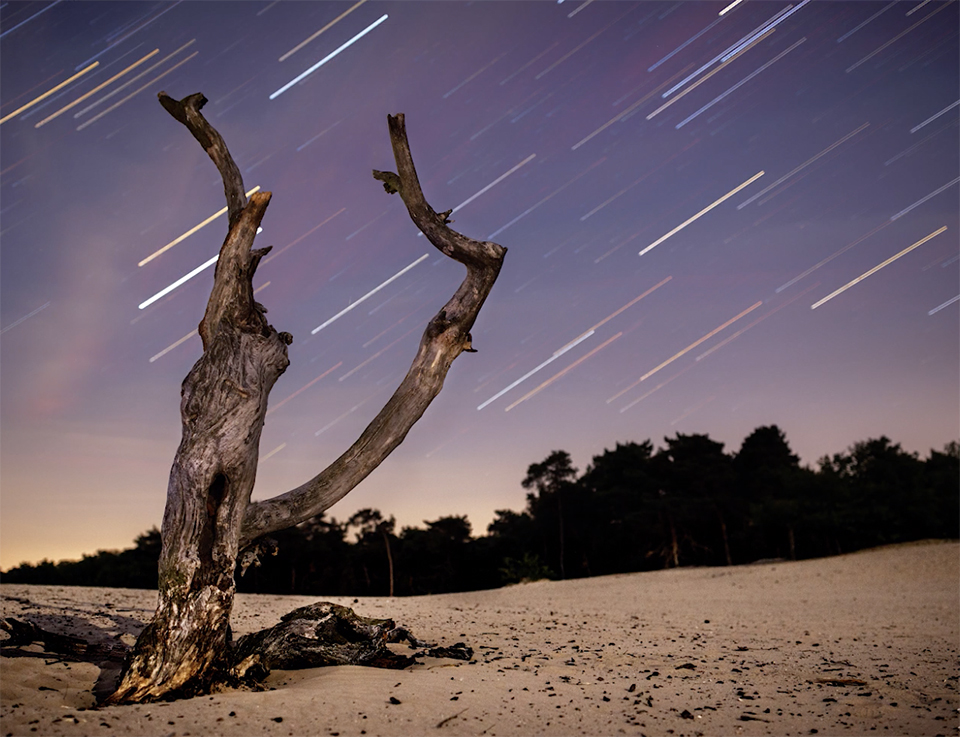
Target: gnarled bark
[209,518]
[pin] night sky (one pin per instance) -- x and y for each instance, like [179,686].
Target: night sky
[739,170]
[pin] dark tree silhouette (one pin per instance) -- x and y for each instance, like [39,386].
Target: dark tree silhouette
[624,489]
[633,509]
[553,480]
[435,560]
[309,557]
[770,481]
[939,505]
[881,491]
[698,484]
[371,524]
[514,547]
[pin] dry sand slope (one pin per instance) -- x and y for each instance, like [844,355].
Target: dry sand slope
[862,643]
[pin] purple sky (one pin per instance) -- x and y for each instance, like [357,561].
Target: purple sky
[549,121]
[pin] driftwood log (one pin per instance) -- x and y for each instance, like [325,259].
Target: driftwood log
[324,634]
[209,518]
[313,636]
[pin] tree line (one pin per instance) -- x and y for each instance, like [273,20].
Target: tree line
[635,508]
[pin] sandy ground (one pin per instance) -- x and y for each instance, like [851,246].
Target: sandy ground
[868,642]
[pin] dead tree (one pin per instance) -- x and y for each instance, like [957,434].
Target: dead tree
[209,518]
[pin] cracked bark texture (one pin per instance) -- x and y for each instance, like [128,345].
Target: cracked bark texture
[209,518]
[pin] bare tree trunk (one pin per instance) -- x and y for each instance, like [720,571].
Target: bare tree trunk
[209,518]
[726,541]
[386,541]
[222,407]
[674,544]
[563,570]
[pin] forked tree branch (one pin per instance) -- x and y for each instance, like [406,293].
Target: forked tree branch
[446,336]
[232,287]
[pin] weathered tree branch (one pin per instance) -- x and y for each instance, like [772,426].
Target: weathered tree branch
[187,111]
[24,633]
[446,336]
[233,277]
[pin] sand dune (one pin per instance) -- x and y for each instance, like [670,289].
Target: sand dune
[849,645]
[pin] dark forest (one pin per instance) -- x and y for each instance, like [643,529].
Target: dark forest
[635,508]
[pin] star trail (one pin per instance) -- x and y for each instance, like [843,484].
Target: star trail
[678,184]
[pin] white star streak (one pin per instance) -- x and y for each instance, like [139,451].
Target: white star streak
[369,294]
[915,9]
[492,184]
[353,409]
[707,76]
[831,257]
[42,10]
[626,112]
[291,244]
[805,164]
[924,199]
[704,211]
[182,280]
[631,303]
[693,345]
[895,38]
[474,75]
[328,57]
[49,92]
[340,17]
[495,182]
[130,81]
[193,332]
[945,304]
[768,28]
[376,355]
[557,191]
[686,43]
[24,318]
[133,94]
[583,336]
[742,82]
[173,345]
[190,232]
[283,401]
[877,268]
[730,7]
[619,194]
[658,387]
[760,319]
[529,63]
[884,9]
[934,117]
[556,376]
[693,409]
[578,8]
[762,28]
[96,89]
[686,350]
[527,375]
[274,451]
[574,51]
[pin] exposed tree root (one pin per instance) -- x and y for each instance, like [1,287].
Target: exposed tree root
[312,636]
